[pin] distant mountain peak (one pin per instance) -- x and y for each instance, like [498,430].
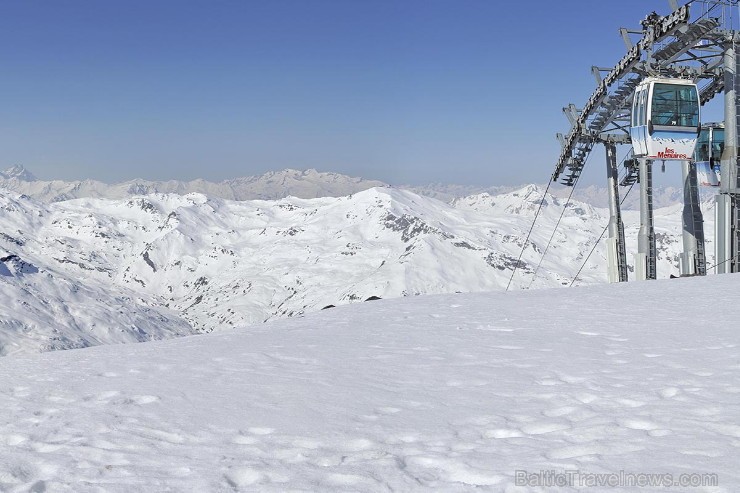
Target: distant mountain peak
[305,184]
[18,172]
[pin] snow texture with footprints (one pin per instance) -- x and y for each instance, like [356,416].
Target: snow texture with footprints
[445,393]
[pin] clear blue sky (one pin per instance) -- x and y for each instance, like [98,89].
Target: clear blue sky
[405,91]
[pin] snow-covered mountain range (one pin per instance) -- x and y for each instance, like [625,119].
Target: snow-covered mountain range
[305,184]
[590,194]
[91,271]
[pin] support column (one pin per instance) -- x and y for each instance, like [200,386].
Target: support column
[727,243]
[722,243]
[616,252]
[693,259]
[645,260]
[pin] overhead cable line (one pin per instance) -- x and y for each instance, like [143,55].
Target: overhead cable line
[723,262]
[524,246]
[565,208]
[549,242]
[597,241]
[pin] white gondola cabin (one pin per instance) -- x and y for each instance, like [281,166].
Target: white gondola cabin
[665,119]
[708,153]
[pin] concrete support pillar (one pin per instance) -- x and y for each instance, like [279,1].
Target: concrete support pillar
[727,241]
[693,259]
[645,260]
[616,253]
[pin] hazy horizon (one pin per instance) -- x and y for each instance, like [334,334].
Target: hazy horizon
[661,181]
[401,92]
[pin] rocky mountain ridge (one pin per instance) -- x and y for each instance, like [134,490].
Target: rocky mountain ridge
[91,271]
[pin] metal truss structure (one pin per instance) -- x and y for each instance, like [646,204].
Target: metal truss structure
[703,50]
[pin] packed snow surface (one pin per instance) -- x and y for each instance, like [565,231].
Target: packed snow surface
[449,393]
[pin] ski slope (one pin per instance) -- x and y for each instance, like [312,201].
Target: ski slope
[448,393]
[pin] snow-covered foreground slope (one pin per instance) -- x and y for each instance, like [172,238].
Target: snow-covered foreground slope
[444,393]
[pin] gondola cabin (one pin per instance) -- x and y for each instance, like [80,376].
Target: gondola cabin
[708,153]
[665,119]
